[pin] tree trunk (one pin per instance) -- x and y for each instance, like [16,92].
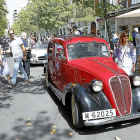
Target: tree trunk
[107,26]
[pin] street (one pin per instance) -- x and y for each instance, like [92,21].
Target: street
[32,112]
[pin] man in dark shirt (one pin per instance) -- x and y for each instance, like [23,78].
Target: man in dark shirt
[26,64]
[133,35]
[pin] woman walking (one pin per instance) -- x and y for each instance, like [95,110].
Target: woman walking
[4,69]
[125,54]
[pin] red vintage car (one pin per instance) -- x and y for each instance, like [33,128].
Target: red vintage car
[81,73]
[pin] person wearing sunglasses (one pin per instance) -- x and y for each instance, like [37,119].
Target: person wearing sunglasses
[18,51]
[125,54]
[130,36]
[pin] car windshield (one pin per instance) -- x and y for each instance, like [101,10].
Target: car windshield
[39,45]
[88,49]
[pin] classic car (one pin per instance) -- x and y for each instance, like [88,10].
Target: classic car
[81,73]
[38,52]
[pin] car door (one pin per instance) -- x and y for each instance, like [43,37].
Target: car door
[51,61]
[61,67]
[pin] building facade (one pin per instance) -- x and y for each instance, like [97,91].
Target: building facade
[131,22]
[15,13]
[119,24]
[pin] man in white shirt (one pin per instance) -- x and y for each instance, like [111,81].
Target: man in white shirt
[18,50]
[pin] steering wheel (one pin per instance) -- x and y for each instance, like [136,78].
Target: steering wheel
[93,53]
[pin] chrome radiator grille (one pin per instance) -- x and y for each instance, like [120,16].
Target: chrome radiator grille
[41,58]
[121,91]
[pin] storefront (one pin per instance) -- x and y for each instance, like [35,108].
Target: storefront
[130,20]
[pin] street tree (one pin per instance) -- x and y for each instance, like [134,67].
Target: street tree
[3,19]
[80,14]
[23,24]
[48,15]
[38,15]
[102,10]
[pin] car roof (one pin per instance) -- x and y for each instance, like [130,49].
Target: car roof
[71,39]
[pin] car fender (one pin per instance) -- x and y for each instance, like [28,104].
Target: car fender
[87,100]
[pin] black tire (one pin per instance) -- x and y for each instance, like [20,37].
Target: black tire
[76,119]
[44,70]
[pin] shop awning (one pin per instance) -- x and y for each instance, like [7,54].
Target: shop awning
[135,13]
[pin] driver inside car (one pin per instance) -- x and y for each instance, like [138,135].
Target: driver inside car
[59,50]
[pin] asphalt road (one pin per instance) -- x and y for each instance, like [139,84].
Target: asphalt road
[31,112]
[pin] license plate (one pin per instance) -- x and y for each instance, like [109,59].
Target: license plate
[99,114]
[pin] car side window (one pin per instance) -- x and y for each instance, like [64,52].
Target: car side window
[58,50]
[104,49]
[50,49]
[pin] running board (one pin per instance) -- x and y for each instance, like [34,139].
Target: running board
[56,91]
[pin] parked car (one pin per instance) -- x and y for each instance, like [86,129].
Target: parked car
[38,53]
[82,74]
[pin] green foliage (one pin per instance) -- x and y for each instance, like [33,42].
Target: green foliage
[79,13]
[3,19]
[50,15]
[23,24]
[38,15]
[99,8]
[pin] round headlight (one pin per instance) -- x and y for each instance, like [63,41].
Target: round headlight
[96,85]
[136,81]
[33,55]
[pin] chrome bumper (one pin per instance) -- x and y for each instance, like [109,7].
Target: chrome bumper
[38,61]
[111,120]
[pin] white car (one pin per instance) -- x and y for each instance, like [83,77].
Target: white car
[39,53]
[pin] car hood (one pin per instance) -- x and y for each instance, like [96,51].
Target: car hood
[97,66]
[39,51]
[102,69]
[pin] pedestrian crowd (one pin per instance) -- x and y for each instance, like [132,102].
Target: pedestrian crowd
[19,49]
[76,31]
[21,52]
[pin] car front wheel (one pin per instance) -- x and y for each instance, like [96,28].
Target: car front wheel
[77,120]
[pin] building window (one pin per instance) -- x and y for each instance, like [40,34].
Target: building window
[93,24]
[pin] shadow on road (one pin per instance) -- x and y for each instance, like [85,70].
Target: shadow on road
[30,129]
[37,86]
[38,128]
